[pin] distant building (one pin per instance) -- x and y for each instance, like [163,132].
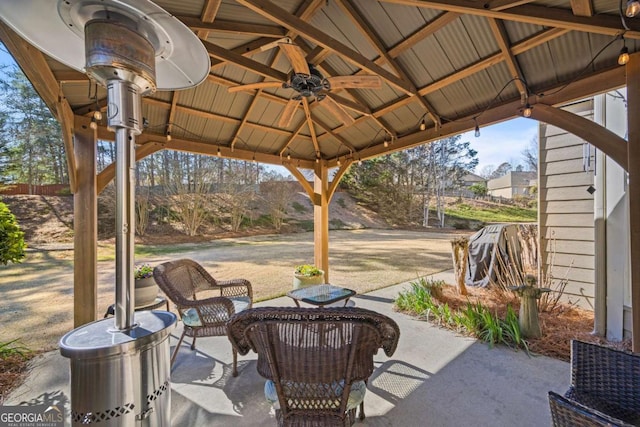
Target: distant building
[512,184]
[470,179]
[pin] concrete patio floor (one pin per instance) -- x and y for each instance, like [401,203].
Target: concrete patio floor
[435,378]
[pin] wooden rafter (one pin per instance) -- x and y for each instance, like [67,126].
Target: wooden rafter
[582,7]
[172,111]
[293,136]
[437,24]
[243,62]
[500,34]
[301,179]
[533,14]
[232,27]
[209,12]
[365,28]
[523,46]
[579,89]
[329,131]
[282,17]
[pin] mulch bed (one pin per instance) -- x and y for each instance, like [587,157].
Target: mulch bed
[559,327]
[13,369]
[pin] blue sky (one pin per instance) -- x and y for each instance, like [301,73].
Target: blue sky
[503,142]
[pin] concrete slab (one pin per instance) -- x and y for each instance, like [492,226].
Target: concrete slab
[435,378]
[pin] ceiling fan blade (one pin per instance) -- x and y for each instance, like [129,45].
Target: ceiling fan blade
[355,82]
[297,57]
[288,112]
[258,85]
[338,111]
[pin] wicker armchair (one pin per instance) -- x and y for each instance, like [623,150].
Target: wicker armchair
[605,388]
[183,280]
[317,359]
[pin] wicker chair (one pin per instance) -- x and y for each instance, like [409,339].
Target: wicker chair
[183,280]
[315,358]
[605,388]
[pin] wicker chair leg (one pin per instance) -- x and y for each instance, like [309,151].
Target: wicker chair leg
[193,344]
[235,362]
[362,416]
[175,351]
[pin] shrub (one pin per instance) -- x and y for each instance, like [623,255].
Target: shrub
[12,244]
[298,207]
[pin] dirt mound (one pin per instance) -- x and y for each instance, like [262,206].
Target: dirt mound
[44,219]
[49,219]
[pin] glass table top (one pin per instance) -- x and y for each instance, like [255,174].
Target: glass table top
[321,294]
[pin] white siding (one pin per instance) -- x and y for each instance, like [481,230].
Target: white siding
[566,210]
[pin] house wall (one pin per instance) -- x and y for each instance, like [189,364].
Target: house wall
[566,210]
[611,112]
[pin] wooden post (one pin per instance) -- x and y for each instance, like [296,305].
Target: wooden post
[633,168]
[85,227]
[321,218]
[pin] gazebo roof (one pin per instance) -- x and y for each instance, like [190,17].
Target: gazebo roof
[454,64]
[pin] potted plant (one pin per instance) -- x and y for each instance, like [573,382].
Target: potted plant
[307,275]
[146,288]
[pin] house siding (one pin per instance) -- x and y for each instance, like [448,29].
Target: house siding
[566,214]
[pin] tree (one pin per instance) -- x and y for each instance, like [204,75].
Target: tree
[391,183]
[530,155]
[277,194]
[11,237]
[502,170]
[32,140]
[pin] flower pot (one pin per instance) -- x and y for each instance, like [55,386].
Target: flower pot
[146,291]
[300,281]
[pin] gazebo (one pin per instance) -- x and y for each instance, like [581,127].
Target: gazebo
[381,76]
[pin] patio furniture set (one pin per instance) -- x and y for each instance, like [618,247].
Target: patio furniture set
[316,360]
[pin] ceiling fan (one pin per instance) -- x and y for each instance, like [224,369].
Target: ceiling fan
[307,81]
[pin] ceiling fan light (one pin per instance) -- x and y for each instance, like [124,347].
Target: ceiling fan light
[633,8]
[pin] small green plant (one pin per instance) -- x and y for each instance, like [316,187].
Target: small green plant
[308,270]
[143,271]
[341,203]
[476,319]
[12,244]
[12,348]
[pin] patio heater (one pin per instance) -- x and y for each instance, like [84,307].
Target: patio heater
[119,367]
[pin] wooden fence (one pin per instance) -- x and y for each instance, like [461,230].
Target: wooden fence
[38,190]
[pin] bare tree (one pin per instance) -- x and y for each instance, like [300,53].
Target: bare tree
[530,155]
[276,194]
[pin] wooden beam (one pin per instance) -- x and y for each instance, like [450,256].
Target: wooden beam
[244,62]
[66,125]
[365,28]
[500,34]
[557,95]
[330,132]
[292,137]
[582,7]
[209,12]
[321,218]
[231,27]
[301,179]
[34,65]
[85,228]
[600,137]
[436,25]
[284,18]
[337,177]
[107,174]
[521,47]
[633,191]
[532,14]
